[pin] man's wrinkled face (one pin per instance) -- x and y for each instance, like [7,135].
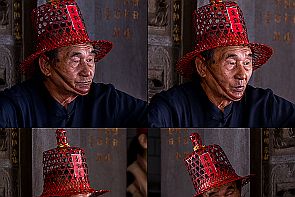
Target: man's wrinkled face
[227,190]
[74,69]
[228,75]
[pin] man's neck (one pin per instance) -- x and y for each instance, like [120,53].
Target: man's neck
[220,102]
[61,97]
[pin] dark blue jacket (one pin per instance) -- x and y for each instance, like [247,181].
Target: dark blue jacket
[29,104]
[187,105]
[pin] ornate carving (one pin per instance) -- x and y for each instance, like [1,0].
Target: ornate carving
[3,140]
[4,13]
[157,13]
[5,183]
[283,180]
[284,138]
[159,70]
[7,74]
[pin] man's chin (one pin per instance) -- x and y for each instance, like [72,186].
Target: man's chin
[82,91]
[236,96]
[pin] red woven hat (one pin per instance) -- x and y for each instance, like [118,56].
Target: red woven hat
[65,170]
[59,23]
[209,167]
[220,24]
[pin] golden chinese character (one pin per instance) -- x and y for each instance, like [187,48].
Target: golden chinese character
[135,2]
[288,37]
[287,4]
[117,14]
[16,5]
[107,13]
[278,2]
[178,155]
[13,142]
[127,33]
[14,134]
[176,37]
[265,157]
[266,140]
[286,17]
[176,7]
[107,140]
[171,141]
[267,17]
[278,18]
[117,32]
[135,15]
[115,131]
[115,142]
[185,140]
[178,139]
[126,13]
[126,2]
[277,36]
[266,132]
[176,16]
[176,29]
[99,141]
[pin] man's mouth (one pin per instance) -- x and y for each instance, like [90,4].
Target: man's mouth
[239,88]
[83,82]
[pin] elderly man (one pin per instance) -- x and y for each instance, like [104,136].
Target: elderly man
[65,171]
[211,171]
[220,67]
[61,93]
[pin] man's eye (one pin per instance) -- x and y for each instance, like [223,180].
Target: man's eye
[90,60]
[76,60]
[247,63]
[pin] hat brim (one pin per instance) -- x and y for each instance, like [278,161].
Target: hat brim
[99,192]
[261,54]
[93,192]
[103,47]
[244,181]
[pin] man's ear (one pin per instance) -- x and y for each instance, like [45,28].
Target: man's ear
[44,65]
[200,66]
[142,139]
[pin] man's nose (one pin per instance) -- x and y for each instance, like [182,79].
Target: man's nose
[85,68]
[241,72]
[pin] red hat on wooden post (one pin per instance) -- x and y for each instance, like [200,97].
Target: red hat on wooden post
[65,170]
[59,23]
[209,167]
[220,24]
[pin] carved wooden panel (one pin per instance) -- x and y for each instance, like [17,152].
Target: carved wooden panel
[164,43]
[9,146]
[5,16]
[10,41]
[160,70]
[7,71]
[279,162]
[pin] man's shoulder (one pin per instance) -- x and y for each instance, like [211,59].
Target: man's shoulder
[108,91]
[21,89]
[258,92]
[102,89]
[177,91]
